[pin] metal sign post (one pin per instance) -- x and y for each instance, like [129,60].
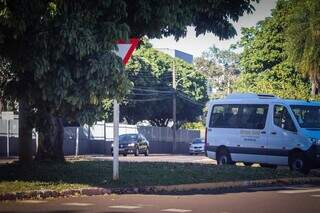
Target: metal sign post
[115,140]
[125,50]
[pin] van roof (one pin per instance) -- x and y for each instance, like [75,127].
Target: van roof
[251,98]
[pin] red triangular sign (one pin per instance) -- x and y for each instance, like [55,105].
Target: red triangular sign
[125,49]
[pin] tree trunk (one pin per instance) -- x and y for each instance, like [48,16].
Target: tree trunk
[25,132]
[51,133]
[314,88]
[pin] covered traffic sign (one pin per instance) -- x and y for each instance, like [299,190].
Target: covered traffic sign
[125,49]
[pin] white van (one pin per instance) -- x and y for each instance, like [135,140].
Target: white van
[253,128]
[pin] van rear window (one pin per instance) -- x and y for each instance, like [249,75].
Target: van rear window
[248,116]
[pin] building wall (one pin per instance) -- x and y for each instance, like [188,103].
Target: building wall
[177,54]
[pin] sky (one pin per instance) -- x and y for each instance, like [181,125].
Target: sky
[196,45]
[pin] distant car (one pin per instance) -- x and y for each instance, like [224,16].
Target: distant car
[197,146]
[132,144]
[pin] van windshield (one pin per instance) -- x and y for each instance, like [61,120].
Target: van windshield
[307,116]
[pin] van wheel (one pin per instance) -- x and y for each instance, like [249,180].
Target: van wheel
[147,152]
[136,152]
[299,163]
[269,166]
[223,157]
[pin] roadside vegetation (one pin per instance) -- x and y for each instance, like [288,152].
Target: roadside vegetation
[15,177]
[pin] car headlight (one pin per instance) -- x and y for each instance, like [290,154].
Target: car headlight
[112,145]
[315,141]
[131,144]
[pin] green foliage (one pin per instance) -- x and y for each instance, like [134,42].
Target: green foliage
[264,61]
[61,52]
[303,39]
[193,125]
[282,80]
[263,45]
[151,97]
[61,55]
[221,68]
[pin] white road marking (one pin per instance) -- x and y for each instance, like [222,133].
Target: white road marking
[77,204]
[176,210]
[33,201]
[125,207]
[298,191]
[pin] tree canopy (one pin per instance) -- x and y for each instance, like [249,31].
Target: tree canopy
[151,97]
[221,68]
[303,39]
[264,62]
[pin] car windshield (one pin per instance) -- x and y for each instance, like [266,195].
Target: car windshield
[127,138]
[197,141]
[307,116]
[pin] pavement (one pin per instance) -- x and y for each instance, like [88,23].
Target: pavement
[291,199]
[131,158]
[155,158]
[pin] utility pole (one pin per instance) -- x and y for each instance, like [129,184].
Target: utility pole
[115,140]
[174,109]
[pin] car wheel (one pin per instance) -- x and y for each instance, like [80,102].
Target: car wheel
[223,157]
[124,154]
[247,164]
[298,162]
[147,152]
[191,153]
[136,152]
[270,166]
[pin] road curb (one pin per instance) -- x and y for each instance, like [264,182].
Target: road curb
[171,189]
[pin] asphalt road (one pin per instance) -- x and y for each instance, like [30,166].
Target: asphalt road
[300,199]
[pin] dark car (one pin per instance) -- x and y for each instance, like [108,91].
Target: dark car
[133,144]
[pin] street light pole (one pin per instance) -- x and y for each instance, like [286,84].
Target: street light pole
[174,110]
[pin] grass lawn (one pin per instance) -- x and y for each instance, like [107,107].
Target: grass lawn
[79,174]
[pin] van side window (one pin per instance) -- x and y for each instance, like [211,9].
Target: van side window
[282,118]
[250,116]
[254,116]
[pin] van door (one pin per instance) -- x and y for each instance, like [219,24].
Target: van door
[222,128]
[282,135]
[241,128]
[253,138]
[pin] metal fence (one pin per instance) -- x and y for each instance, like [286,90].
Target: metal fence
[97,139]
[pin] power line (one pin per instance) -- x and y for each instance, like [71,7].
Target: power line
[148,100]
[187,98]
[154,91]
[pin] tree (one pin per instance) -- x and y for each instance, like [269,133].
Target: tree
[62,59]
[303,40]
[62,65]
[264,63]
[151,97]
[220,66]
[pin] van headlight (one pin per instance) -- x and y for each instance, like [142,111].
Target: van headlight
[131,144]
[315,141]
